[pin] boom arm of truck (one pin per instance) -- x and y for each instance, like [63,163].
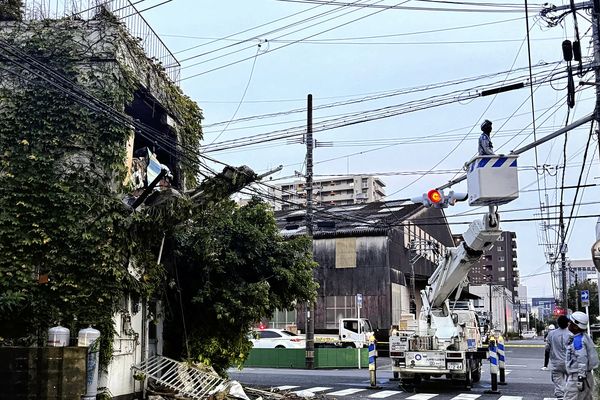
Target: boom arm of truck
[454,268]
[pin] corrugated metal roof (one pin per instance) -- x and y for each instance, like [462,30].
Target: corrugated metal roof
[354,219]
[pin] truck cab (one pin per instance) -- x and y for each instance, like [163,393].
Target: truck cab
[355,332]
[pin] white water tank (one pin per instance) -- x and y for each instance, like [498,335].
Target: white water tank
[58,336]
[87,336]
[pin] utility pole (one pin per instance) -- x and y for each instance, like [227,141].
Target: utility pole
[563,260]
[310,309]
[490,317]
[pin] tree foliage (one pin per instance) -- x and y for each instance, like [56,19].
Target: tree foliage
[234,267]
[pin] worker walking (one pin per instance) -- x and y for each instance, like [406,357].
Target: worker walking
[556,350]
[581,359]
[485,144]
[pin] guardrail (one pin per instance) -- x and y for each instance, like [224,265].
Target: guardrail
[124,10]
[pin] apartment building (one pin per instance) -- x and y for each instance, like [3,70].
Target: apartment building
[498,265]
[339,190]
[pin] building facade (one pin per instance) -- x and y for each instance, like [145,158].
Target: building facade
[498,265]
[342,190]
[581,271]
[369,249]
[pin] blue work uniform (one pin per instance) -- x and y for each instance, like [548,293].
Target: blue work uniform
[581,359]
[556,345]
[485,145]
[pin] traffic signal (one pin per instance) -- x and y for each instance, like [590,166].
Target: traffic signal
[437,198]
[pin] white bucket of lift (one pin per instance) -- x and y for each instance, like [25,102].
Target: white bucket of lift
[492,180]
[58,336]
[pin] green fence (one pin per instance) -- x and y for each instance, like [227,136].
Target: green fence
[295,358]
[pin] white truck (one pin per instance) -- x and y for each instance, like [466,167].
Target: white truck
[445,340]
[352,333]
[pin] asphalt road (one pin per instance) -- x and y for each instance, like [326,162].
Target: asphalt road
[526,380]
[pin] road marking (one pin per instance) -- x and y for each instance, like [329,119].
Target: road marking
[384,393]
[345,392]
[421,396]
[516,365]
[550,398]
[319,389]
[464,396]
[510,398]
[286,387]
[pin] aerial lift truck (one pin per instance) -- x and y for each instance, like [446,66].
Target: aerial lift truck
[445,339]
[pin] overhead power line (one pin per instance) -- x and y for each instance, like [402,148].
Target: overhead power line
[499,8]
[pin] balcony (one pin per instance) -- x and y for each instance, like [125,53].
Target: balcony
[123,10]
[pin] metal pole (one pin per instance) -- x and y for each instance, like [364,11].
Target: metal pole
[587,311]
[491,320]
[310,309]
[358,326]
[563,260]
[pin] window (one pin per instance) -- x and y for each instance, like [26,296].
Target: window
[500,248]
[501,279]
[338,307]
[501,269]
[501,258]
[282,319]
[345,253]
[351,326]
[268,334]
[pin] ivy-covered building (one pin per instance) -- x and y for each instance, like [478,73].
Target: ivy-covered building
[83,105]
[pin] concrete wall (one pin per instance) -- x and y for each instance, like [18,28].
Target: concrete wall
[42,373]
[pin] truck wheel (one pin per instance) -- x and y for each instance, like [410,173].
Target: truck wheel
[476,373]
[348,346]
[280,347]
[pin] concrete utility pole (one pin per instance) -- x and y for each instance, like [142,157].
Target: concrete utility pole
[310,309]
[563,260]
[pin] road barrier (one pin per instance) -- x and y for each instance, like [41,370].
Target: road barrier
[295,358]
[493,366]
[373,364]
[501,361]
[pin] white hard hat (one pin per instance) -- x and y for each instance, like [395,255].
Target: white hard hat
[551,326]
[580,319]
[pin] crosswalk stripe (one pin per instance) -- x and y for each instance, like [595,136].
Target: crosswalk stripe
[550,398]
[345,392]
[421,396]
[510,398]
[384,393]
[464,396]
[318,389]
[286,387]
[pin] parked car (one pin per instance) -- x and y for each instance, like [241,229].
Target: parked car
[529,335]
[276,339]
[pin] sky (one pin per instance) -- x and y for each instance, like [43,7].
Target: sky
[425,66]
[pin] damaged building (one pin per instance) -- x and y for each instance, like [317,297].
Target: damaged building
[107,45]
[374,249]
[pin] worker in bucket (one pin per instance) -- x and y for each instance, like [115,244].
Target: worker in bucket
[556,350]
[485,144]
[581,359]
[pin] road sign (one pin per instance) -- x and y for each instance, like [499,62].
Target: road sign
[585,298]
[359,300]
